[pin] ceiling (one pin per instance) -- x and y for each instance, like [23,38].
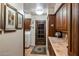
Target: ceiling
[30,7]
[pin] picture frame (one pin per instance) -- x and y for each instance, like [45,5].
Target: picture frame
[19,21]
[1,17]
[9,18]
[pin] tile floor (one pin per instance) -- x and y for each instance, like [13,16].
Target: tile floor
[29,50]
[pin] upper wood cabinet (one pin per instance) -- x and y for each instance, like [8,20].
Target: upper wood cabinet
[64,18]
[61,19]
[58,21]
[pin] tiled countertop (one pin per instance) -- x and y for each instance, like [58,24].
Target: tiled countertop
[59,46]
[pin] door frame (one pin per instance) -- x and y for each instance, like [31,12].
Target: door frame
[23,39]
[35,29]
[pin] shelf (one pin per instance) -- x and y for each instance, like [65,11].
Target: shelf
[40,33]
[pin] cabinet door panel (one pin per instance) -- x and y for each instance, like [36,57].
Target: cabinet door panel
[75,29]
[64,21]
[58,21]
[51,25]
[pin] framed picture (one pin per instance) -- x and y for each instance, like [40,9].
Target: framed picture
[10,18]
[19,21]
[0,17]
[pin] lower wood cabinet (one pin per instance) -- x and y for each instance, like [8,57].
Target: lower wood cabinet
[50,48]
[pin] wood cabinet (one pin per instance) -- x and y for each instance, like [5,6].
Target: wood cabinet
[27,24]
[75,29]
[58,22]
[67,20]
[64,18]
[50,48]
[51,25]
[61,19]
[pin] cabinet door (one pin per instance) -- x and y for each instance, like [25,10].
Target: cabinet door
[64,16]
[57,18]
[51,25]
[60,24]
[75,28]
[50,48]
[58,21]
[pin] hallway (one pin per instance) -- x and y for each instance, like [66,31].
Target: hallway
[39,29]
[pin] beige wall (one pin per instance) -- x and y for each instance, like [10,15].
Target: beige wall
[12,43]
[57,6]
[53,10]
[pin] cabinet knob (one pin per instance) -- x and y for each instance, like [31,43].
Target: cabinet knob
[52,25]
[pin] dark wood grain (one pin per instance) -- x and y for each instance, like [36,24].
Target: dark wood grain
[75,28]
[27,24]
[61,19]
[50,48]
[51,21]
[64,18]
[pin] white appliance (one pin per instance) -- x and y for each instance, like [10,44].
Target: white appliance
[27,39]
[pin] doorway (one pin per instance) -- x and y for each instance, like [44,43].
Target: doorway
[40,34]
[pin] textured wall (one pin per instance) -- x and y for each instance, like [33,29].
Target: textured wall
[57,6]
[12,43]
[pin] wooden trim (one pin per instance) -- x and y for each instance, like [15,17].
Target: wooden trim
[78,28]
[71,28]
[23,39]
[69,6]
